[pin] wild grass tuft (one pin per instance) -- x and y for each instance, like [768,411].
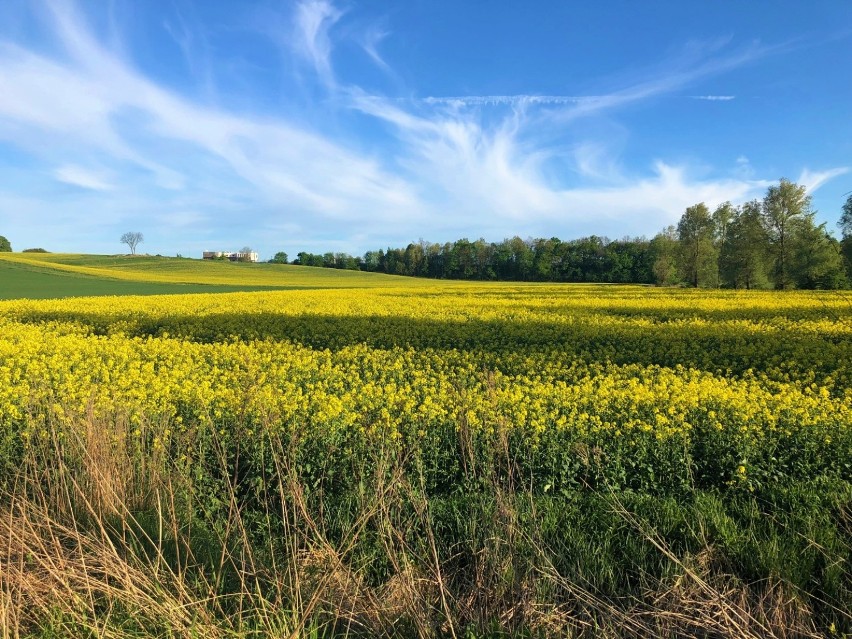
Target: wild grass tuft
[104,540]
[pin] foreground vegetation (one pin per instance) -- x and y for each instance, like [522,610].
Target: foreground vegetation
[467,461]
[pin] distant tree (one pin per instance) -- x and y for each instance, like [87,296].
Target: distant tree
[5,245]
[132,239]
[370,261]
[782,207]
[632,260]
[816,258]
[394,261]
[619,261]
[697,252]
[663,248]
[35,250]
[722,218]
[350,262]
[433,259]
[744,253]
[543,259]
[521,257]
[845,225]
[592,259]
[279,258]
[308,259]
[484,257]
[414,259]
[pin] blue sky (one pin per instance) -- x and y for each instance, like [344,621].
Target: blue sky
[347,126]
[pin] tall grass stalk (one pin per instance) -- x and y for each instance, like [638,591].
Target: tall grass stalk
[102,537]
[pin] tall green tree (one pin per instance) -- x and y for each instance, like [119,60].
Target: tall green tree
[664,249]
[543,251]
[845,225]
[5,245]
[697,251]
[783,206]
[744,253]
[521,262]
[845,222]
[816,257]
[722,218]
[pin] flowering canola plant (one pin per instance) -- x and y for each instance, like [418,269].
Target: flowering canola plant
[632,387]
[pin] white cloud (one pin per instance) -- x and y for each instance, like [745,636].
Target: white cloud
[287,164]
[455,170]
[812,180]
[594,160]
[506,100]
[714,98]
[313,20]
[370,43]
[492,178]
[82,177]
[194,46]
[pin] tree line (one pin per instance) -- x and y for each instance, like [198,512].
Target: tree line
[591,259]
[770,243]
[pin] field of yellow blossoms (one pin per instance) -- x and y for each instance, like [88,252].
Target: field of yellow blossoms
[628,387]
[437,460]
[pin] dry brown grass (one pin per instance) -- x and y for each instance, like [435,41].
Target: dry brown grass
[82,580]
[72,559]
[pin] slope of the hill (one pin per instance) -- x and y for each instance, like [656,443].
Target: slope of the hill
[52,275]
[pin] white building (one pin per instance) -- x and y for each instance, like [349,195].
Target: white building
[234,256]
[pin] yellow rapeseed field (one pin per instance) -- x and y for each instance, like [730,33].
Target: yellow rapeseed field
[662,386]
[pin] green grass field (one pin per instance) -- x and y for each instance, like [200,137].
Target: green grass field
[55,275]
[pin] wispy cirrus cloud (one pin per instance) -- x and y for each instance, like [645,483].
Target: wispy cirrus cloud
[524,99]
[82,177]
[313,20]
[285,162]
[506,185]
[370,41]
[189,36]
[506,100]
[689,67]
[507,172]
[743,168]
[714,98]
[813,180]
[438,167]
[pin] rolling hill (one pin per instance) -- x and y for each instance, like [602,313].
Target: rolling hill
[53,275]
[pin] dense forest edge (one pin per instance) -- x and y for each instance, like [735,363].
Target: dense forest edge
[770,243]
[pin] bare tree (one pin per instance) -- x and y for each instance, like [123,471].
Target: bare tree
[132,239]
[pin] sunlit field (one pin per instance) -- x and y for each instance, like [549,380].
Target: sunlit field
[412,458]
[99,275]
